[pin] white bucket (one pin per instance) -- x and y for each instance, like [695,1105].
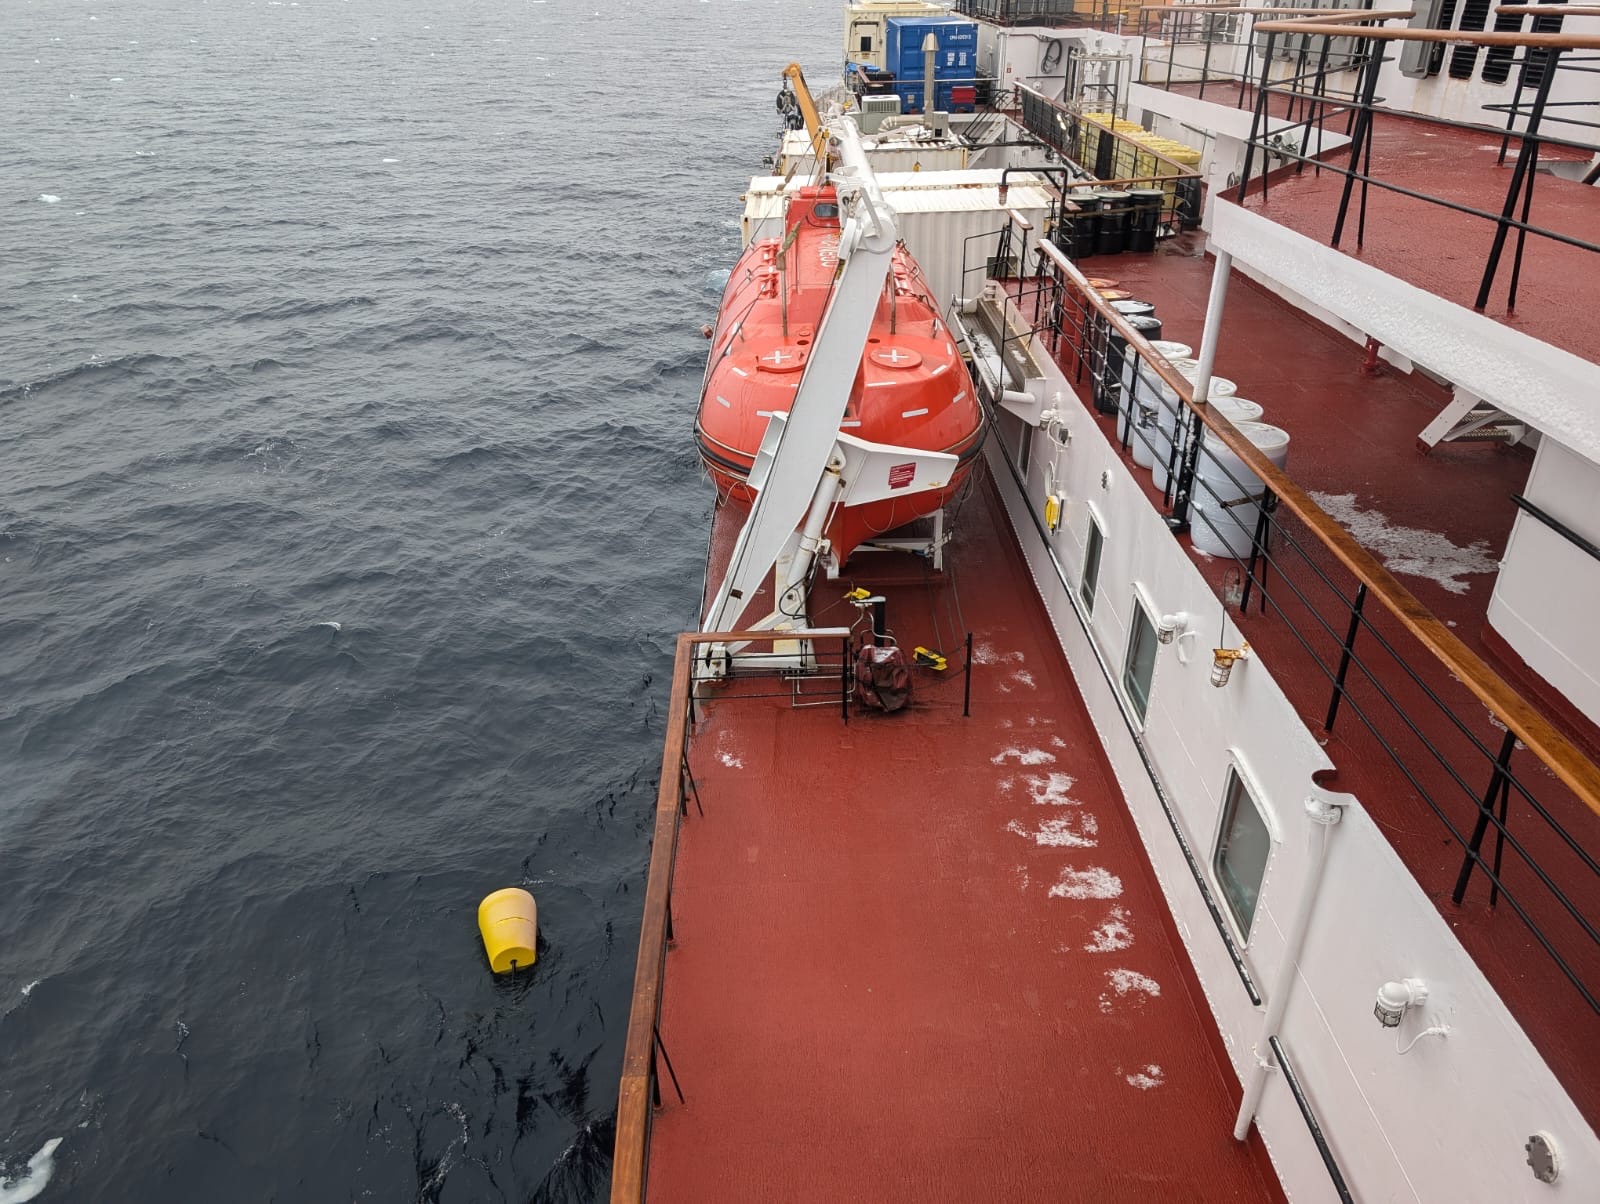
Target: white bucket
[1132,395]
[1234,409]
[1167,415]
[1222,519]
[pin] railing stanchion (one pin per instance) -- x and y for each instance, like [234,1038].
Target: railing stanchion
[1499,783]
[1526,159]
[1344,656]
[966,695]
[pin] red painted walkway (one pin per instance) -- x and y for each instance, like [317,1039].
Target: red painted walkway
[922,957]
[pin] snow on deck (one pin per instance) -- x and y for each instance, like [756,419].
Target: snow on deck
[922,957]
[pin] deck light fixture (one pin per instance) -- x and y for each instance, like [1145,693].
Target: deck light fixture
[1396,998]
[1222,660]
[1171,626]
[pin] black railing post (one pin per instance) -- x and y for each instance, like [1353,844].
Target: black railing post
[1258,546]
[1257,121]
[1188,462]
[966,697]
[1525,161]
[1344,655]
[1363,127]
[1499,783]
[673,1074]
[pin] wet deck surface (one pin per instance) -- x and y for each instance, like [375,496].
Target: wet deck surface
[1439,522]
[922,957]
[1443,251]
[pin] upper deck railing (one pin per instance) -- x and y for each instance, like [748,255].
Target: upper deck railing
[1537,58]
[1521,804]
[1317,73]
[1110,15]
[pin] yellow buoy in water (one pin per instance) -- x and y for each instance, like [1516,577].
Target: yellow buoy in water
[509,922]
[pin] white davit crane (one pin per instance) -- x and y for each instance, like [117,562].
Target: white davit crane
[806,466]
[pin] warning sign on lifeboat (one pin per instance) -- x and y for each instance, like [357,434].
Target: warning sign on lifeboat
[901,475]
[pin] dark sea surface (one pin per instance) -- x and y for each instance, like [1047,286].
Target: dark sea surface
[348,356]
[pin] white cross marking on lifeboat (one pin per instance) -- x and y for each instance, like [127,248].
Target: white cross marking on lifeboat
[895,355]
[778,358]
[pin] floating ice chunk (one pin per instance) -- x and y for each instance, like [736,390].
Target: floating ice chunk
[332,625]
[1092,883]
[1023,756]
[36,1177]
[49,198]
[391,160]
[1414,551]
[1113,936]
[1151,1076]
[28,990]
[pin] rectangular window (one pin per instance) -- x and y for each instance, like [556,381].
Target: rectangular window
[1091,567]
[866,44]
[1243,845]
[1140,664]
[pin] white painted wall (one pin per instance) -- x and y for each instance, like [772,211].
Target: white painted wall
[1447,1121]
[1544,597]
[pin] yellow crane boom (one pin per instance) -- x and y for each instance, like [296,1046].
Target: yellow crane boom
[808,109]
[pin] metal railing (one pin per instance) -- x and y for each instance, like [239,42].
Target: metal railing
[1109,15]
[1295,141]
[1212,44]
[1382,657]
[639,1092]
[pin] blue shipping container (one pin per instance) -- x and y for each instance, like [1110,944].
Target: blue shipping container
[958,46]
[910,93]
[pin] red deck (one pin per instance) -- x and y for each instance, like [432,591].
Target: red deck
[1440,250]
[1440,523]
[923,957]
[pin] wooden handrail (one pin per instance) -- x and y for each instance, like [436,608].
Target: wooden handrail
[1548,10]
[1317,25]
[638,1054]
[1537,733]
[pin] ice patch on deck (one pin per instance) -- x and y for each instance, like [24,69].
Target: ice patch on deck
[731,761]
[1414,551]
[1127,985]
[986,654]
[1051,790]
[1151,1076]
[1092,883]
[34,1178]
[1074,830]
[1113,936]
[1023,756]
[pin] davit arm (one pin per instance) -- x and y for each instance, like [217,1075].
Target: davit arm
[803,475]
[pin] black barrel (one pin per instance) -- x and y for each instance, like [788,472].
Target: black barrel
[1189,202]
[1108,381]
[1144,218]
[1075,234]
[1112,236]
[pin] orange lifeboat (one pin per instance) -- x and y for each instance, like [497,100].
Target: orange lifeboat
[912,389]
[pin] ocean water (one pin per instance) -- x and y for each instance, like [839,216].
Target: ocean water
[348,355]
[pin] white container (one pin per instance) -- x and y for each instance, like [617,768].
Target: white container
[1167,415]
[1235,409]
[1227,495]
[1139,386]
